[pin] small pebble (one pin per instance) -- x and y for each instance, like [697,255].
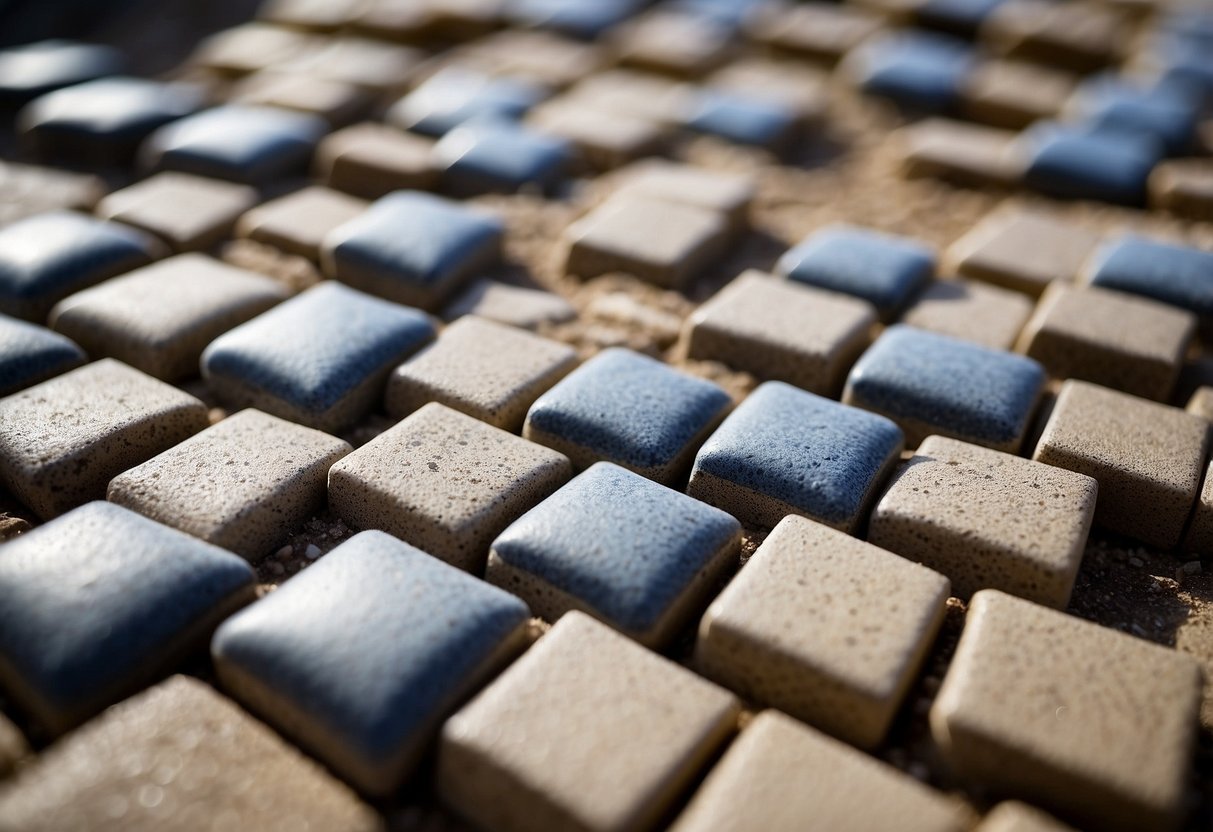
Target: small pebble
[285,552]
[312,551]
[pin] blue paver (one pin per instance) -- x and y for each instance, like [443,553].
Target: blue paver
[625,547]
[30,354]
[413,248]
[241,143]
[1086,162]
[961,16]
[29,71]
[786,451]
[627,408]
[363,655]
[730,14]
[496,155]
[321,358]
[742,119]
[1179,275]
[46,257]
[102,600]
[883,269]
[454,95]
[1168,111]
[916,70]
[573,17]
[930,383]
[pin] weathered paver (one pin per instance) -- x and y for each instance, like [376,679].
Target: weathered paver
[984,314]
[190,213]
[30,353]
[299,222]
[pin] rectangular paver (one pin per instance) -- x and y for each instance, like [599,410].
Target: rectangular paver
[190,213]
[977,312]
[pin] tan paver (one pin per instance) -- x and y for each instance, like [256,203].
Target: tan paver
[821,31]
[536,55]
[1080,36]
[445,482]
[587,731]
[1128,343]
[988,519]
[370,160]
[1083,720]
[824,627]
[337,102]
[63,440]
[782,776]
[299,222]
[187,212]
[1013,816]
[1014,94]
[726,193]
[976,312]
[1147,457]
[178,756]
[673,43]
[250,47]
[605,139]
[513,305]
[1183,187]
[965,154]
[641,94]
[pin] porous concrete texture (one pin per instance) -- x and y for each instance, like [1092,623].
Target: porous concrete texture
[977,312]
[190,213]
[299,222]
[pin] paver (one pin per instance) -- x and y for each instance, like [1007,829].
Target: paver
[337,102]
[250,47]
[976,312]
[161,317]
[636,555]
[1198,539]
[1013,816]
[820,31]
[1022,249]
[360,658]
[776,329]
[102,122]
[371,160]
[547,58]
[743,119]
[1078,36]
[1169,112]
[572,17]
[182,755]
[101,600]
[1086,162]
[62,441]
[662,242]
[190,213]
[1147,457]
[1201,403]
[783,776]
[45,258]
[602,138]
[917,70]
[413,248]
[1014,94]
[243,484]
[966,154]
[485,369]
[30,353]
[1089,722]
[961,17]
[445,482]
[824,627]
[1179,275]
[627,408]
[317,15]
[757,465]
[883,269]
[451,19]
[514,305]
[672,42]
[488,156]
[1183,187]
[527,752]
[637,94]
[988,519]
[1129,343]
[298,223]
[454,95]
[365,62]
[321,358]
[730,194]
[929,383]
[27,190]
[35,69]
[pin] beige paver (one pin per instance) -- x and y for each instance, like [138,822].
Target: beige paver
[1147,457]
[187,212]
[726,193]
[1129,343]
[545,57]
[26,190]
[298,223]
[1201,403]
[605,139]
[63,440]
[824,627]
[337,102]
[1014,94]
[243,484]
[445,482]
[799,87]
[1013,816]
[160,318]
[776,329]
[178,756]
[671,42]
[966,154]
[250,47]
[514,305]
[587,731]
[821,31]
[1183,187]
[370,160]
[1088,722]
[988,519]
[1081,36]
[976,312]
[366,62]
[487,370]
[782,776]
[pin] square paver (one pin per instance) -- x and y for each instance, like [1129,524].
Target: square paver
[190,213]
[1078,36]
[517,306]
[984,314]
[971,155]
[371,160]
[487,370]
[1184,187]
[1086,721]
[987,519]
[362,656]
[818,31]
[1087,162]
[337,102]
[99,601]
[250,47]
[784,451]
[454,95]
[160,318]
[527,752]
[929,383]
[1161,108]
[676,43]
[28,190]
[63,440]
[308,362]
[782,776]
[243,484]
[603,139]
[824,627]
[1013,94]
[592,546]
[30,353]
[776,329]
[45,258]
[413,248]
[883,269]
[1129,343]
[1179,275]
[497,156]
[742,118]
[298,223]
[1147,457]
[445,482]
[730,194]
[917,70]
[627,408]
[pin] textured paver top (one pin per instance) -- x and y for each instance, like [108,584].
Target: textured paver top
[986,315]
[299,222]
[529,751]
[190,213]
[1179,275]
[30,353]
[455,95]
[360,657]
[728,193]
[1085,162]
[371,160]
[100,600]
